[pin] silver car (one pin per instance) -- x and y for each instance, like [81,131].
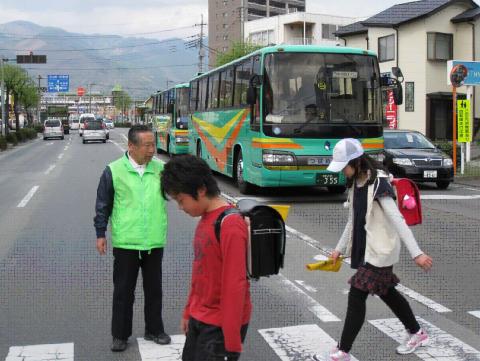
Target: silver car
[52,128]
[94,130]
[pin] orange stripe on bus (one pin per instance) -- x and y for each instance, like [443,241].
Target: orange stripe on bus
[373,146]
[276,145]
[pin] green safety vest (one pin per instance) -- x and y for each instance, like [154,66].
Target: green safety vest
[139,215]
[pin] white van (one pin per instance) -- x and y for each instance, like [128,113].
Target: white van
[83,118]
[75,124]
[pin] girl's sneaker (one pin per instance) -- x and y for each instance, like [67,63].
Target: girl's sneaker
[412,342]
[334,355]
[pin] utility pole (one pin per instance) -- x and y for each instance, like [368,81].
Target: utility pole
[39,106]
[2,88]
[201,50]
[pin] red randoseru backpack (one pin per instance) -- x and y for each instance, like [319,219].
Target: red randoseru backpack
[408,200]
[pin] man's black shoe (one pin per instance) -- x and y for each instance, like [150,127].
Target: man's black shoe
[161,339]
[118,345]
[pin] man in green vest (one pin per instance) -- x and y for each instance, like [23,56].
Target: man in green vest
[129,195]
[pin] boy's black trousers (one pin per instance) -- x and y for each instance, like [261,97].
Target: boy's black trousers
[206,343]
[125,273]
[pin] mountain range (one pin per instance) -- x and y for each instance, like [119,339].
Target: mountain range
[141,66]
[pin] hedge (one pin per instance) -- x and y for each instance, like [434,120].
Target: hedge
[12,138]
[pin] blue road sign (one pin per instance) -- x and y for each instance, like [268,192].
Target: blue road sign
[473,71]
[58,83]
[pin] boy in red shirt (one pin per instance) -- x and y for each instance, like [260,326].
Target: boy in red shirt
[215,319]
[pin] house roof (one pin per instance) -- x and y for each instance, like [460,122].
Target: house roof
[468,15]
[352,29]
[402,13]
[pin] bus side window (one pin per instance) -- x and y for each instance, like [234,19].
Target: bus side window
[194,95]
[255,111]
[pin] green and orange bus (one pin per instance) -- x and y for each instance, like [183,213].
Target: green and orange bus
[170,116]
[272,118]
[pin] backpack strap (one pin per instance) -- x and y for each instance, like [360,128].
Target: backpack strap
[221,217]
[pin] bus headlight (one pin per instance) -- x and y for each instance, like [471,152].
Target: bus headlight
[181,139]
[271,157]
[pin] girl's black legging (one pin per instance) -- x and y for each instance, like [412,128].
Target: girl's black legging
[356,314]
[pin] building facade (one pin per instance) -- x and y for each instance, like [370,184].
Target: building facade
[420,37]
[297,28]
[226,19]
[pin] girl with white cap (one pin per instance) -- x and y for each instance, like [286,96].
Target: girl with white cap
[372,239]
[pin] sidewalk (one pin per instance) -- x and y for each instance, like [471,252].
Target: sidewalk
[471,176]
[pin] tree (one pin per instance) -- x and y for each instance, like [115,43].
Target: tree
[122,101]
[29,98]
[237,51]
[19,84]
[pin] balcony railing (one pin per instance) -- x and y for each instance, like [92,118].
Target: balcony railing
[300,41]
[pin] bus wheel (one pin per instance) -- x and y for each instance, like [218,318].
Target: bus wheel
[337,189]
[243,186]
[199,149]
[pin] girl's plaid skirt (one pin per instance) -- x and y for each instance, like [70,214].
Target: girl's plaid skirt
[374,280]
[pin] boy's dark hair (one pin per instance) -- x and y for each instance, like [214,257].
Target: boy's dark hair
[134,130]
[365,165]
[187,174]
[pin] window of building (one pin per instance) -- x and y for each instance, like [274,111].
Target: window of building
[225,37]
[225,14]
[440,46]
[328,31]
[225,26]
[277,4]
[262,37]
[257,12]
[386,48]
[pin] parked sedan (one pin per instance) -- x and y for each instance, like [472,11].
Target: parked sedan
[409,154]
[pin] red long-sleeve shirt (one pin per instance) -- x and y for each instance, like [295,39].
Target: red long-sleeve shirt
[220,291]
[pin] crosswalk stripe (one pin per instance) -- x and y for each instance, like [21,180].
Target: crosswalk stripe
[475,313]
[442,346]
[59,351]
[150,351]
[316,308]
[299,342]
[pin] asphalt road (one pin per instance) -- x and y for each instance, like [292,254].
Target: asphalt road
[56,290]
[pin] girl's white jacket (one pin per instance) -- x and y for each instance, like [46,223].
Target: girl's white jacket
[385,226]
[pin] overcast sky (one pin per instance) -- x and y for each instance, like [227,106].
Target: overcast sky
[126,17]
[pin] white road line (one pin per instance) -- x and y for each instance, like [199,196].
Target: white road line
[475,313]
[306,286]
[60,156]
[51,143]
[299,342]
[442,346]
[422,299]
[27,198]
[126,138]
[150,351]
[449,197]
[65,148]
[61,351]
[118,146]
[405,290]
[50,169]
[316,308]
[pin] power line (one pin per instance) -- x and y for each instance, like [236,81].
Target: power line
[114,68]
[40,36]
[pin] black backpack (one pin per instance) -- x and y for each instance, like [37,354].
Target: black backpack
[266,243]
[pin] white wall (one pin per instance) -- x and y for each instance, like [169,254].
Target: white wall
[356,41]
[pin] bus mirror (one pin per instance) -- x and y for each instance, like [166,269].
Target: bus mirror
[255,81]
[170,108]
[398,94]
[251,95]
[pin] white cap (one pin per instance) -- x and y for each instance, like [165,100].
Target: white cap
[343,152]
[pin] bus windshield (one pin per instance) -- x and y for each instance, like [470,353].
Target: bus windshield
[182,108]
[310,94]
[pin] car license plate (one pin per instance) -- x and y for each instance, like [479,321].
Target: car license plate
[327,179]
[429,174]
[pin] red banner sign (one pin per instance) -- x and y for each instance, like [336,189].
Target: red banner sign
[80,91]
[391,112]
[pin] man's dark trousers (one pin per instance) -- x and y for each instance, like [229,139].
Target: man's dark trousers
[125,273]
